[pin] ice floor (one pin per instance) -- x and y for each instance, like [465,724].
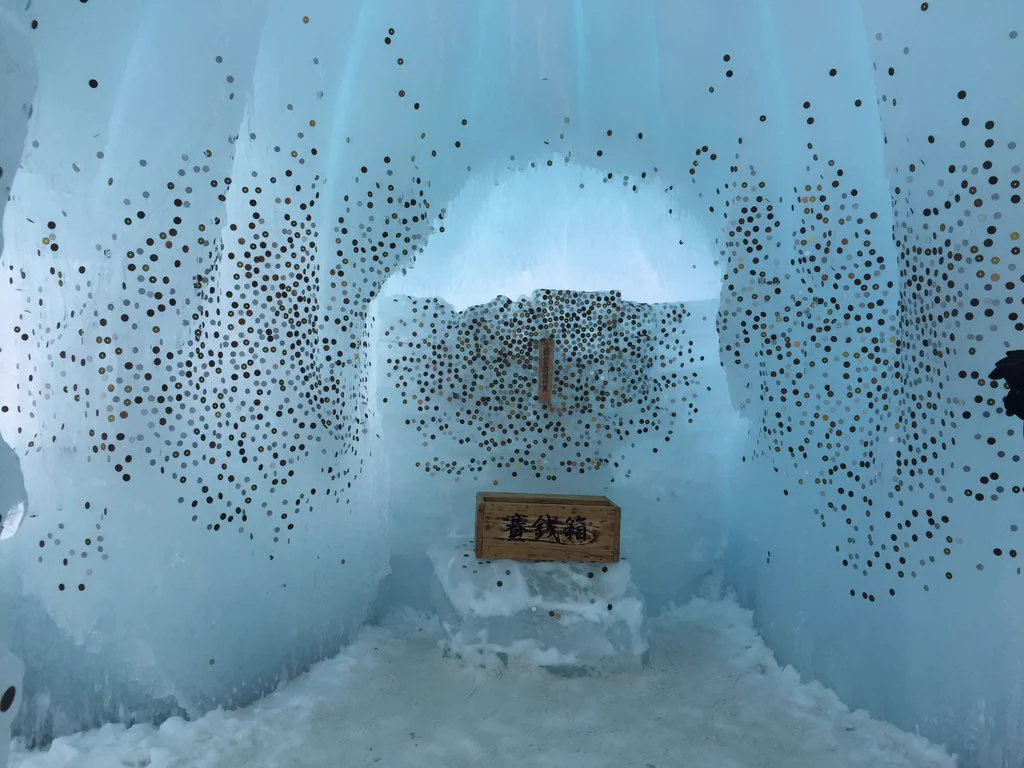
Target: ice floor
[713,696]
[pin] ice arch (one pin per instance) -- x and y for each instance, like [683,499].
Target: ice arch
[629,284]
[556,225]
[193,240]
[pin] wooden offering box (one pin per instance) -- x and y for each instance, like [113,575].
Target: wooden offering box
[542,527]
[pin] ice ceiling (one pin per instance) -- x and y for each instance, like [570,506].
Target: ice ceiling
[566,227]
[225,438]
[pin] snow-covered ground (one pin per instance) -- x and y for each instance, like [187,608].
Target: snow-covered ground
[713,696]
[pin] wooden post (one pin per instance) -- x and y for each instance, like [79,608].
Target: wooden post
[546,370]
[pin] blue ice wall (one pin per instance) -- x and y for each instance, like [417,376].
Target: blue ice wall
[869,399]
[207,198]
[205,522]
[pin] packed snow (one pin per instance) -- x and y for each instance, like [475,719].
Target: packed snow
[713,695]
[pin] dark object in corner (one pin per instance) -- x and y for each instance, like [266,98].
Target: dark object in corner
[1011,368]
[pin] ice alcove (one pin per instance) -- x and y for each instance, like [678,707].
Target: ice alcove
[270,280]
[627,284]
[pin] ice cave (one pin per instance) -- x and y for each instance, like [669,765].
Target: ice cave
[274,276]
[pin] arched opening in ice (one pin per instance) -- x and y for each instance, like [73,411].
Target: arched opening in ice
[563,226]
[625,280]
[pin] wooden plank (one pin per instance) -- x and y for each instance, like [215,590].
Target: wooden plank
[545,370]
[559,528]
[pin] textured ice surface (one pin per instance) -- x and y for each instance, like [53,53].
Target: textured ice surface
[713,697]
[564,616]
[11,672]
[171,526]
[13,500]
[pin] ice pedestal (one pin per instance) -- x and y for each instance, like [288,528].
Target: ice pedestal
[11,672]
[570,618]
